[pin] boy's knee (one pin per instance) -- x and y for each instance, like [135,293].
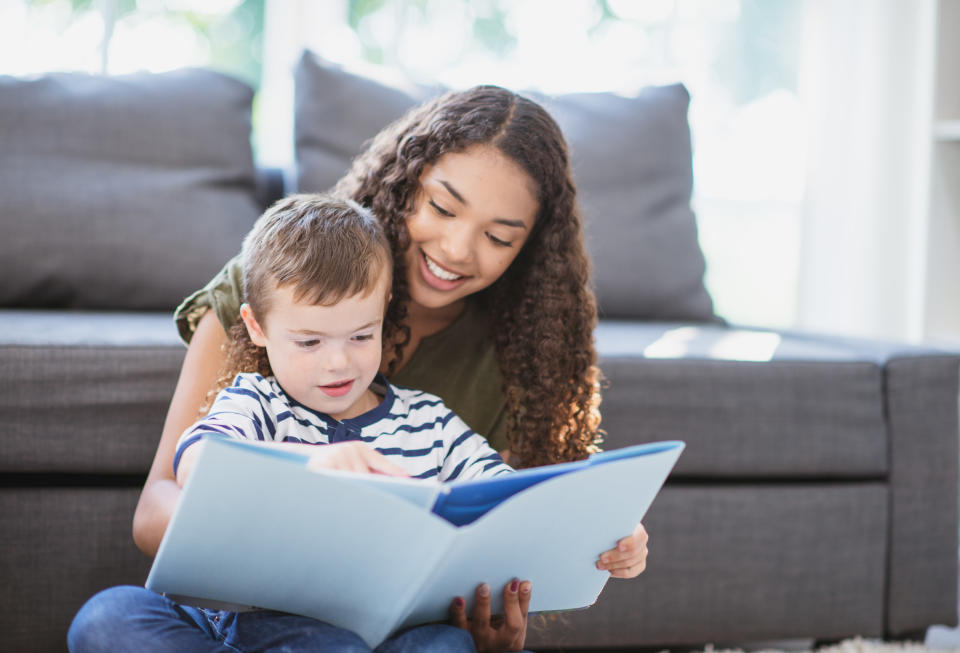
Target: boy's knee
[97,626]
[449,638]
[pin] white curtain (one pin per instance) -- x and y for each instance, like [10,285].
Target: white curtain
[867,82]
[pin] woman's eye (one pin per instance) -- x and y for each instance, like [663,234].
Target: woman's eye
[498,242]
[439,209]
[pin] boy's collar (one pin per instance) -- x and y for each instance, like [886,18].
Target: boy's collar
[376,413]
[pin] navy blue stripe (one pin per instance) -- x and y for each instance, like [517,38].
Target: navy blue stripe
[295,440]
[259,396]
[188,442]
[270,426]
[323,428]
[253,394]
[411,453]
[238,430]
[257,426]
[206,427]
[181,449]
[491,465]
[430,473]
[469,433]
[459,468]
[446,420]
[416,429]
[425,402]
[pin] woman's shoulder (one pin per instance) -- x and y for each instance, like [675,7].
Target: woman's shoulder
[222,294]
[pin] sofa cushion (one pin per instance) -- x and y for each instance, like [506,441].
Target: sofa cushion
[84,392]
[631,161]
[737,562]
[754,404]
[61,545]
[121,192]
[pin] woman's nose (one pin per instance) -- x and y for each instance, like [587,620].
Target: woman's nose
[457,243]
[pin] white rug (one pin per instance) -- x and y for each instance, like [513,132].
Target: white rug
[855,645]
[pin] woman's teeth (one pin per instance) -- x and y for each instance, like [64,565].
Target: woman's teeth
[439,272]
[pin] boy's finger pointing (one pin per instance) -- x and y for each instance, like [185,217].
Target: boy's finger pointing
[379,464]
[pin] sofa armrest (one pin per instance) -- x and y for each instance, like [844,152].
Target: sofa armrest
[921,396]
[758,405]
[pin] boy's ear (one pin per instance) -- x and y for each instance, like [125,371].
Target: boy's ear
[253,327]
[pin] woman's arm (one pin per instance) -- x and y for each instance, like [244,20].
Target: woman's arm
[201,368]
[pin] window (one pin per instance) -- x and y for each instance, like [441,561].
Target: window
[739,59]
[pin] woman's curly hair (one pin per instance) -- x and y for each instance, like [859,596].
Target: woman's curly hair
[542,309]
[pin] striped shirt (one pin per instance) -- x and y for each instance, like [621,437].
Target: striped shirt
[410,427]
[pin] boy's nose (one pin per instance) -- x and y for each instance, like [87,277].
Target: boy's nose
[336,358]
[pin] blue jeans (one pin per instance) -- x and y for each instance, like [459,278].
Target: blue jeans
[136,619]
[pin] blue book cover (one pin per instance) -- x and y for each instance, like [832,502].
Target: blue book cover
[373,554]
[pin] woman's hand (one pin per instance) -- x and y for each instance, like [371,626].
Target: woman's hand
[629,559]
[506,633]
[352,457]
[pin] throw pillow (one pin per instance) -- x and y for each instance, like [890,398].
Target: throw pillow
[631,161]
[122,192]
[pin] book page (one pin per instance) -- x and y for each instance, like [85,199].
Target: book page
[551,534]
[263,530]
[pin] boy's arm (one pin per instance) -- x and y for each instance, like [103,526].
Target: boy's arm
[243,412]
[186,460]
[239,412]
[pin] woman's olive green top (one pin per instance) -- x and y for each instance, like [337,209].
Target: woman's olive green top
[458,364]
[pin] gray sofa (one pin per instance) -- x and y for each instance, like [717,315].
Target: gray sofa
[817,496]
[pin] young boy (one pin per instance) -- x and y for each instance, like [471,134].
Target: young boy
[317,279]
[317,274]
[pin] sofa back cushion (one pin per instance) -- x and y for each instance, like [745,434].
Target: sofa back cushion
[122,192]
[631,161]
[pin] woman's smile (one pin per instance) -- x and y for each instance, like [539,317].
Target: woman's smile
[438,276]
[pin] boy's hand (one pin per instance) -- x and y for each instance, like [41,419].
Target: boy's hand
[506,633]
[352,457]
[629,559]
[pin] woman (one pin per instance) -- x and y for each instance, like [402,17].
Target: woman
[491,305]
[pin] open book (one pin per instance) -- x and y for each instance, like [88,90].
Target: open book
[373,554]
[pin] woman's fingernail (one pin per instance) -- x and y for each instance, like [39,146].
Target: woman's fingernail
[514,585]
[459,602]
[484,590]
[525,587]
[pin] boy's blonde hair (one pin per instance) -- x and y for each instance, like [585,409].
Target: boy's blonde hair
[327,248]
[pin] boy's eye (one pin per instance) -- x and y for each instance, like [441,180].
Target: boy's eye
[497,241]
[307,344]
[439,209]
[363,337]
